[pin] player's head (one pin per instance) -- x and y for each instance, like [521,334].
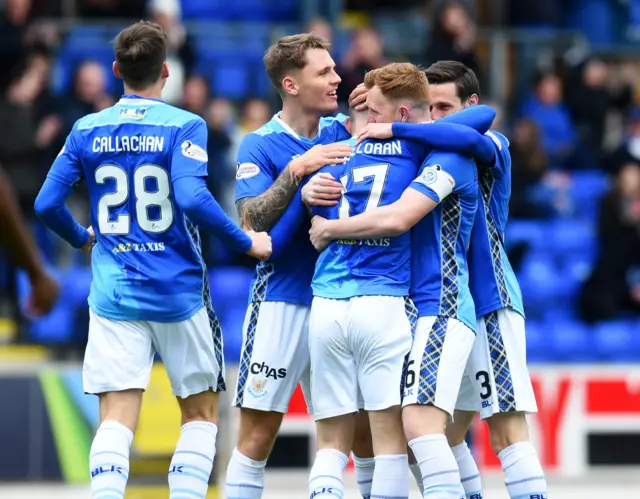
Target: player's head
[301,68]
[141,55]
[397,92]
[453,87]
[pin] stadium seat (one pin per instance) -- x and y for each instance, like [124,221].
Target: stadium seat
[571,341]
[587,188]
[537,347]
[571,236]
[618,341]
[230,79]
[232,331]
[531,232]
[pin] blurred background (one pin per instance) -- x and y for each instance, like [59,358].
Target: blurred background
[563,75]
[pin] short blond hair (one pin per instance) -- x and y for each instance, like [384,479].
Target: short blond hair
[400,80]
[290,53]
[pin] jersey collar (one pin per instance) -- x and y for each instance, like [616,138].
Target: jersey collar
[137,100]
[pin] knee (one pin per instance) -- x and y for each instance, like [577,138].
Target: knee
[507,429]
[200,407]
[256,439]
[421,420]
[457,430]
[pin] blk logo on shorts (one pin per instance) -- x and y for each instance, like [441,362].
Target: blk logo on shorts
[106,469]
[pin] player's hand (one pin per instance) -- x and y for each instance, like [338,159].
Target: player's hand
[44,293]
[88,246]
[322,190]
[318,233]
[375,131]
[261,247]
[358,98]
[319,156]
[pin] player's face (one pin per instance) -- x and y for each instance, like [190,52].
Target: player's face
[444,100]
[381,109]
[318,82]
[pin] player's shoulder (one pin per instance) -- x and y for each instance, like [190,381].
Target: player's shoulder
[169,115]
[334,128]
[446,158]
[339,120]
[500,140]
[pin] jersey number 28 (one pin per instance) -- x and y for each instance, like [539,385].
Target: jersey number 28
[121,225]
[360,174]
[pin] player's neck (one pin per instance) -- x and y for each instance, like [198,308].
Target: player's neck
[154,92]
[304,123]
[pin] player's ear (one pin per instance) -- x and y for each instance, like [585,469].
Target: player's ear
[116,70]
[404,113]
[165,70]
[289,85]
[473,100]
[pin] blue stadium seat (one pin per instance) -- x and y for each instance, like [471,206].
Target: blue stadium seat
[618,341]
[537,347]
[232,331]
[587,188]
[571,236]
[531,232]
[230,79]
[571,341]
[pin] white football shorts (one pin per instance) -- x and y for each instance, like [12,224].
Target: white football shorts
[437,361]
[497,379]
[358,350]
[275,356]
[120,354]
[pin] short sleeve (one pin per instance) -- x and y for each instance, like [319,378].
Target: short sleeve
[189,157]
[67,167]
[255,171]
[503,156]
[443,173]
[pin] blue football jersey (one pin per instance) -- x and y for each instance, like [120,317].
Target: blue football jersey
[262,156]
[376,174]
[440,275]
[147,263]
[492,279]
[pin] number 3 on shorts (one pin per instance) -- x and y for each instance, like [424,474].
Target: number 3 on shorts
[484,384]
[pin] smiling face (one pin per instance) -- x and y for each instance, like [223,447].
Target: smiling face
[316,83]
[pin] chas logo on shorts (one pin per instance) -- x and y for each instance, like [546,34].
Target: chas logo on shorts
[192,151]
[246,170]
[269,372]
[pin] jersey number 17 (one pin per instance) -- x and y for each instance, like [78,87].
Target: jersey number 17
[360,174]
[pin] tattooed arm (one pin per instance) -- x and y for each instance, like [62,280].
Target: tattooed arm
[260,213]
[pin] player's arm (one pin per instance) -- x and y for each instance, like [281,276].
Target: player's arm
[188,175]
[461,132]
[438,177]
[288,224]
[261,201]
[64,175]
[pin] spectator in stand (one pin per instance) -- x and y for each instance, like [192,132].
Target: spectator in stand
[28,130]
[365,53]
[223,136]
[196,95]
[180,55]
[547,109]
[118,9]
[614,285]
[453,37]
[13,38]
[321,27]
[629,150]
[590,99]
[255,113]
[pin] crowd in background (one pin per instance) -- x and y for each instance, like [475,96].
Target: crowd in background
[575,115]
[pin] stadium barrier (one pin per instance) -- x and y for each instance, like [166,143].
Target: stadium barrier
[589,418]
